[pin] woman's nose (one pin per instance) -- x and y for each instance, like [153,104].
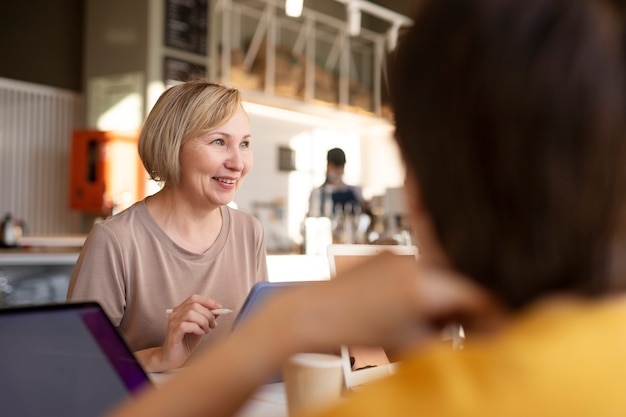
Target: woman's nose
[235,160]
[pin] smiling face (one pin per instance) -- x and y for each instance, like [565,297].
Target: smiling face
[214,164]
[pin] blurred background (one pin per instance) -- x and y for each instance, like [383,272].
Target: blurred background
[77,78]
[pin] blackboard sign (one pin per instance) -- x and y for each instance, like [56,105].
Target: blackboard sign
[186,25]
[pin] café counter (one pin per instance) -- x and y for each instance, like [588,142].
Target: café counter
[35,274]
[40,274]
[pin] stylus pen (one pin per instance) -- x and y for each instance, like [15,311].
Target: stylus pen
[217,311]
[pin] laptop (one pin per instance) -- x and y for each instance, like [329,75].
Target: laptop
[64,360]
[364,364]
[342,257]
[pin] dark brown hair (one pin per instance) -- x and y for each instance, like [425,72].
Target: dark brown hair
[509,113]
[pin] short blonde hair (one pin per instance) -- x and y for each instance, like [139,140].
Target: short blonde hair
[183,111]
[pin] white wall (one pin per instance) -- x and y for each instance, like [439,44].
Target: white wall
[36,124]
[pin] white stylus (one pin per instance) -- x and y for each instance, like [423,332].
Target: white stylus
[217,311]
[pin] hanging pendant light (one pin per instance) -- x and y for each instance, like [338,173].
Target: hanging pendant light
[293,8]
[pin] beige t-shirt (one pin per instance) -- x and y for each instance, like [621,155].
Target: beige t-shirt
[135,271]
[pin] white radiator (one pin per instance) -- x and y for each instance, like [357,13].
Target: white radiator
[36,123]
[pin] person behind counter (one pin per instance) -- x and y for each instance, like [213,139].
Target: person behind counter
[182,248]
[334,194]
[510,118]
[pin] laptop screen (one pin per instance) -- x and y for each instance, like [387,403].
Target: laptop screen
[341,258]
[63,360]
[363,364]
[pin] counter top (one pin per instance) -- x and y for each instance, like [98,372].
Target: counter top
[39,255]
[35,250]
[280,267]
[297,267]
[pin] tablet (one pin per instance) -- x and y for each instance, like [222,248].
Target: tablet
[259,293]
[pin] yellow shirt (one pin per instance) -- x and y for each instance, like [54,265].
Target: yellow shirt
[555,360]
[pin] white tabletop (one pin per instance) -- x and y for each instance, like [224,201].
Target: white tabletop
[269,400]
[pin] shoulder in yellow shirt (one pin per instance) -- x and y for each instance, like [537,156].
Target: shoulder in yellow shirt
[556,359]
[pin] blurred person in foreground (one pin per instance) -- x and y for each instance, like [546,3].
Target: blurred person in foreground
[182,248]
[510,119]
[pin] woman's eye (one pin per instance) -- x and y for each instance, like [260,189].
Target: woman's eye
[245,144]
[218,142]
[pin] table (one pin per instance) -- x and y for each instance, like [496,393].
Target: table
[270,400]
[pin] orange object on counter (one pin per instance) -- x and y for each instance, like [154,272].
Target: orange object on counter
[106,173]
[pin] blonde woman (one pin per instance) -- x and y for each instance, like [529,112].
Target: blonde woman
[182,249]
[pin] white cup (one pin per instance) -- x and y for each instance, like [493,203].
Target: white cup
[312,381]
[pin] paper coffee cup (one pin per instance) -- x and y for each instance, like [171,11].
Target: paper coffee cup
[312,381]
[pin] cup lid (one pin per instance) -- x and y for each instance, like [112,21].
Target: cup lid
[324,360]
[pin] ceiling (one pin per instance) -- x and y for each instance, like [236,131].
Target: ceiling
[405,7]
[337,8]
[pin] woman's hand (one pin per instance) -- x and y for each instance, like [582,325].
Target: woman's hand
[186,324]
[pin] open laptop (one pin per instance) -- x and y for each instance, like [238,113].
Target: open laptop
[361,364]
[64,360]
[342,257]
